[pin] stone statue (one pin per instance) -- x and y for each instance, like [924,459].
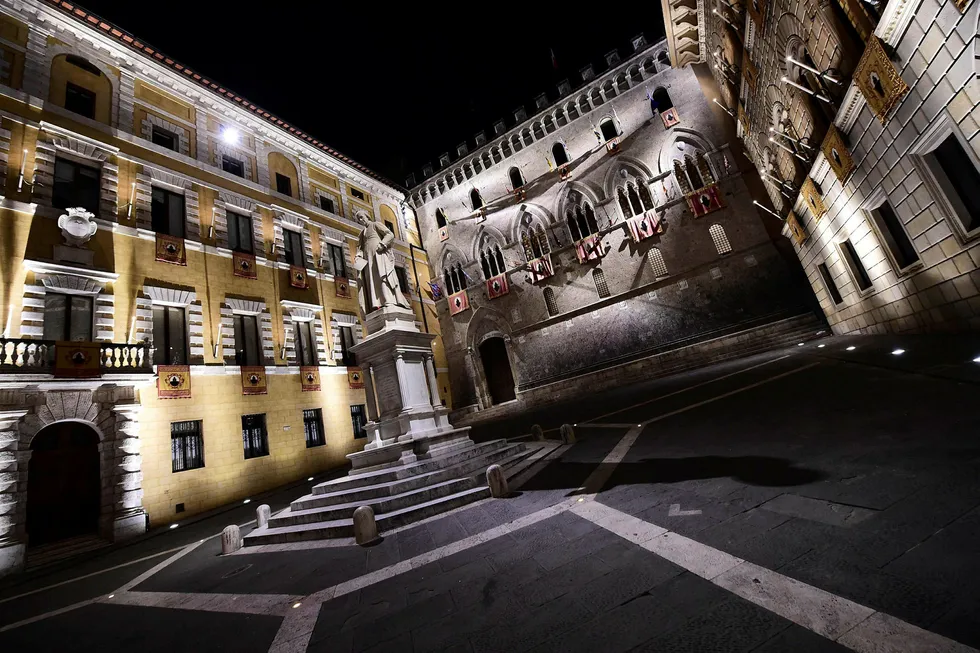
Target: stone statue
[377,282]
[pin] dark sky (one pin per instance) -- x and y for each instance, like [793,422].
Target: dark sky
[390,85]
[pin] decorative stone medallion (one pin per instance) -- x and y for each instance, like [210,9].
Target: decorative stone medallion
[838,156]
[77,226]
[799,233]
[811,195]
[879,80]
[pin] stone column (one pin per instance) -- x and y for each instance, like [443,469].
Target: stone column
[129,518]
[430,374]
[13,466]
[402,384]
[373,410]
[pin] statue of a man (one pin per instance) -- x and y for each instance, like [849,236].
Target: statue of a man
[377,282]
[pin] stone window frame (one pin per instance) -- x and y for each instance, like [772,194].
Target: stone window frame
[182,133]
[294,222]
[233,306]
[68,280]
[239,154]
[830,296]
[173,183]
[838,245]
[939,131]
[55,142]
[293,312]
[227,203]
[193,316]
[874,201]
[340,319]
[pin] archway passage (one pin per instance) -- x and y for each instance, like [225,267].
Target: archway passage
[63,487]
[496,365]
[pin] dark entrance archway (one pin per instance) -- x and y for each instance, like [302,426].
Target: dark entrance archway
[496,365]
[63,486]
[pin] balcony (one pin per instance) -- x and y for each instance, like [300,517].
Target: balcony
[85,360]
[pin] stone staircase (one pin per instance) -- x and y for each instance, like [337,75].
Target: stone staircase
[398,495]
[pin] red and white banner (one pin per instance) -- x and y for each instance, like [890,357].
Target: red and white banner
[540,268]
[590,249]
[443,233]
[497,286]
[670,117]
[458,302]
[705,201]
[643,226]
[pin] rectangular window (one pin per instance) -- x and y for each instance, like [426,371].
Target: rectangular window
[959,179]
[305,349]
[357,194]
[828,283]
[284,184]
[313,427]
[75,185]
[337,260]
[234,166]
[893,234]
[854,265]
[164,138]
[240,233]
[247,343]
[293,241]
[186,446]
[169,336]
[402,275]
[358,418]
[346,344]
[327,204]
[391,227]
[68,317]
[79,100]
[167,213]
[255,438]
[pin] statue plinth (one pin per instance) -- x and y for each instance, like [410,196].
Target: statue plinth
[407,419]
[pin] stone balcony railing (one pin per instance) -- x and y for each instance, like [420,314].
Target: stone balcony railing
[21,356]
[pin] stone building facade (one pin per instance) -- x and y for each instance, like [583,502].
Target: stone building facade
[608,228]
[177,316]
[872,111]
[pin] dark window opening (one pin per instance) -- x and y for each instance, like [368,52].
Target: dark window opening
[240,233]
[255,438]
[959,180]
[476,200]
[391,227]
[440,218]
[305,345]
[516,178]
[893,233]
[660,100]
[327,204]
[79,100]
[313,427]
[609,131]
[164,138]
[169,336]
[247,344]
[167,213]
[284,184]
[357,194]
[855,265]
[84,64]
[75,185]
[560,153]
[234,166]
[358,418]
[346,335]
[68,317]
[337,260]
[828,282]
[293,248]
[186,448]
[402,275]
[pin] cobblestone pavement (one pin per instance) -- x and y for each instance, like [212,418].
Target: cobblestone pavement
[815,499]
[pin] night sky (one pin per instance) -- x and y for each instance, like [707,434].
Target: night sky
[389,86]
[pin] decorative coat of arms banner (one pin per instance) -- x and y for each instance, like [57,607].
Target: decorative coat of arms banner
[749,69]
[590,248]
[173,381]
[170,249]
[644,226]
[297,277]
[799,233]
[342,287]
[458,302]
[704,201]
[880,82]
[244,265]
[355,378]
[253,380]
[838,156]
[497,286]
[310,378]
[670,117]
[811,195]
[77,359]
[540,268]
[757,10]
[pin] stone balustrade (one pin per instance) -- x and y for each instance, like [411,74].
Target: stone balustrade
[22,356]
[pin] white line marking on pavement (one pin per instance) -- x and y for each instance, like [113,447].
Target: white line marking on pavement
[692,387]
[851,624]
[270,604]
[52,613]
[675,511]
[157,568]
[94,573]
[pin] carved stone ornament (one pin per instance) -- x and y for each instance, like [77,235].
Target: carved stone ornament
[77,226]
[880,82]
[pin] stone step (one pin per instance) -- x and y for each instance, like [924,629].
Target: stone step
[345,527]
[534,454]
[467,467]
[392,474]
[380,505]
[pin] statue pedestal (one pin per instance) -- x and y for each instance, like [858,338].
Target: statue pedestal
[408,422]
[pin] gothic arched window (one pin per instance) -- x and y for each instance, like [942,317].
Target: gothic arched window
[440,218]
[516,178]
[476,200]
[645,199]
[559,153]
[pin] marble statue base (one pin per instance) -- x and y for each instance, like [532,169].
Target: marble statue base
[407,419]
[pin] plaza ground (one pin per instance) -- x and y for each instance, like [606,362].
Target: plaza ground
[818,498]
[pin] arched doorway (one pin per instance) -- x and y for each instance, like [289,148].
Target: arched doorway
[63,486]
[496,366]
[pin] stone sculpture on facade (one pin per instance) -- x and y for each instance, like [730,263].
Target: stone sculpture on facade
[377,283]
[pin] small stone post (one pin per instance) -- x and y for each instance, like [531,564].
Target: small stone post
[537,433]
[231,539]
[365,528]
[262,515]
[497,482]
[567,434]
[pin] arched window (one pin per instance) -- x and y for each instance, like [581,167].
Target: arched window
[559,154]
[656,261]
[692,173]
[516,178]
[681,177]
[549,124]
[720,239]
[634,199]
[448,278]
[499,256]
[663,58]
[704,169]
[572,111]
[440,218]
[573,229]
[541,238]
[516,141]
[583,105]
[624,203]
[601,287]
[485,264]
[505,149]
[608,129]
[580,218]
[596,97]
[660,100]
[457,278]
[488,160]
[534,241]
[550,302]
[475,200]
[477,168]
[645,199]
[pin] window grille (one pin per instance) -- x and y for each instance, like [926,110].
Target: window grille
[720,239]
[313,427]
[186,445]
[255,438]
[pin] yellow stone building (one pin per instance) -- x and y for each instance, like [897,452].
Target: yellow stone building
[205,235]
